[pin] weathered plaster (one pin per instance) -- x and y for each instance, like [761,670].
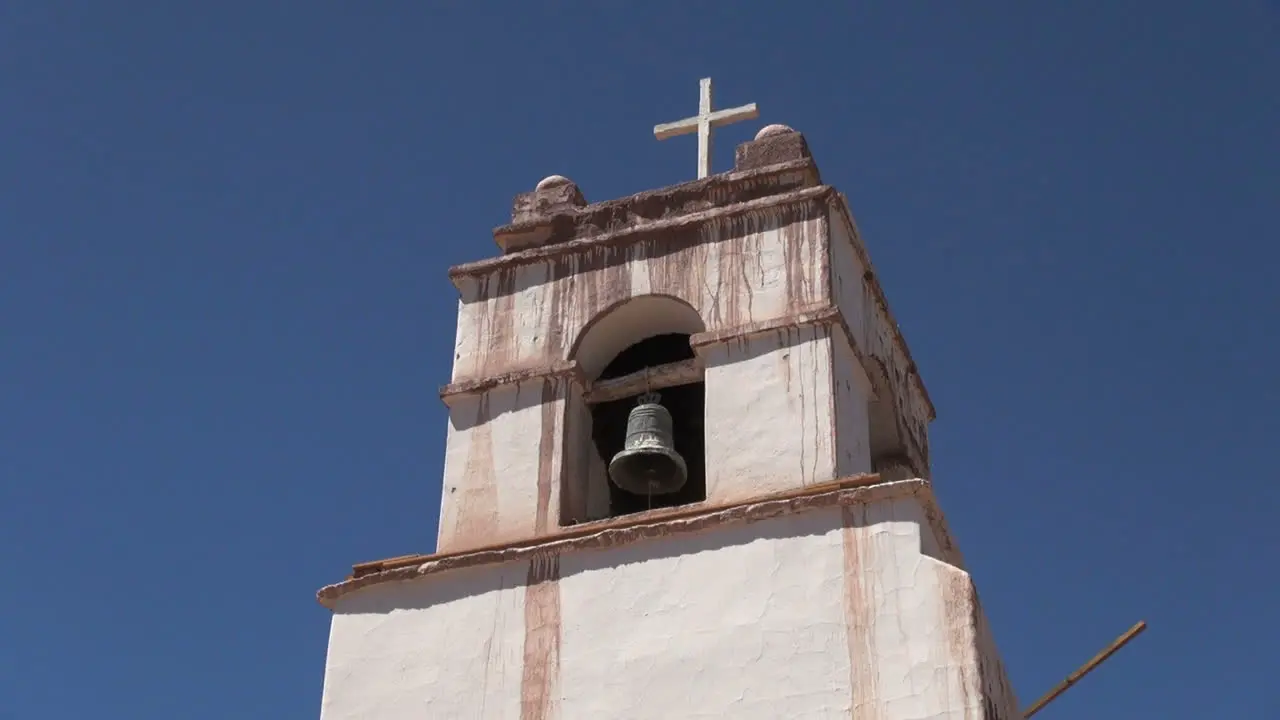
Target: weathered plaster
[902,410]
[586,485]
[787,592]
[999,700]
[732,270]
[769,419]
[817,606]
[747,280]
[495,437]
[851,397]
[524,323]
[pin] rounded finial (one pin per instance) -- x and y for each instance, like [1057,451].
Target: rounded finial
[551,181]
[771,130]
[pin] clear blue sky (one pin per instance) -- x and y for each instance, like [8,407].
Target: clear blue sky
[224,311]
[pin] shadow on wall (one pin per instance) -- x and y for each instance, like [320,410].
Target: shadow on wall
[468,411]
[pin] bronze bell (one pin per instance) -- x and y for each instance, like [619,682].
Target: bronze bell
[648,463]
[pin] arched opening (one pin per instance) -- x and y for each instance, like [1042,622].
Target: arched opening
[640,344]
[686,403]
[621,326]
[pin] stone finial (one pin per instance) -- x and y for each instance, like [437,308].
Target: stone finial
[551,181]
[534,214]
[771,130]
[774,144]
[553,195]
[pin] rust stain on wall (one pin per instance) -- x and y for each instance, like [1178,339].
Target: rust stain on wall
[784,369]
[840,452]
[682,274]
[546,454]
[574,473]
[587,296]
[825,278]
[582,287]
[816,251]
[998,699]
[710,264]
[477,506]
[498,324]
[541,674]
[617,280]
[736,253]
[859,614]
[754,263]
[793,272]
[557,337]
[956,619]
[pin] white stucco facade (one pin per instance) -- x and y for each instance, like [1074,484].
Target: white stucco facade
[841,605]
[812,577]
[807,377]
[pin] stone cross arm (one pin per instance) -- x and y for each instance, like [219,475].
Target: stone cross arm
[702,124]
[715,119]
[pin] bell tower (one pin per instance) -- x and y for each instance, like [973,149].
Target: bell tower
[687,475]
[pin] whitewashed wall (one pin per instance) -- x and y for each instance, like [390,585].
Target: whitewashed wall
[729,273]
[874,331]
[502,464]
[769,415]
[851,396]
[585,487]
[785,408]
[833,613]
[733,271]
[448,647]
[1001,703]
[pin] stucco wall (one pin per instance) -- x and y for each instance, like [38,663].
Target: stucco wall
[999,700]
[851,394]
[733,271]
[786,407]
[831,613]
[502,464]
[502,448]
[429,649]
[875,335]
[769,422]
[777,418]
[585,487]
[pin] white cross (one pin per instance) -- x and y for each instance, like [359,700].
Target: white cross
[702,124]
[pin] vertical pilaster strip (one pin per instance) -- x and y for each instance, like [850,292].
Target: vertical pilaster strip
[859,613]
[539,681]
[547,453]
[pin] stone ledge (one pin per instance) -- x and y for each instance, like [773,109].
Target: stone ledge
[818,314]
[815,315]
[567,369]
[611,235]
[577,221]
[613,532]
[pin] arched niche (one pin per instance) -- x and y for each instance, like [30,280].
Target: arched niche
[641,333]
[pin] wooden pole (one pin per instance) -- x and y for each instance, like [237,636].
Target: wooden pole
[1075,677]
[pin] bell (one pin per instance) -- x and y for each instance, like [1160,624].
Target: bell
[648,463]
